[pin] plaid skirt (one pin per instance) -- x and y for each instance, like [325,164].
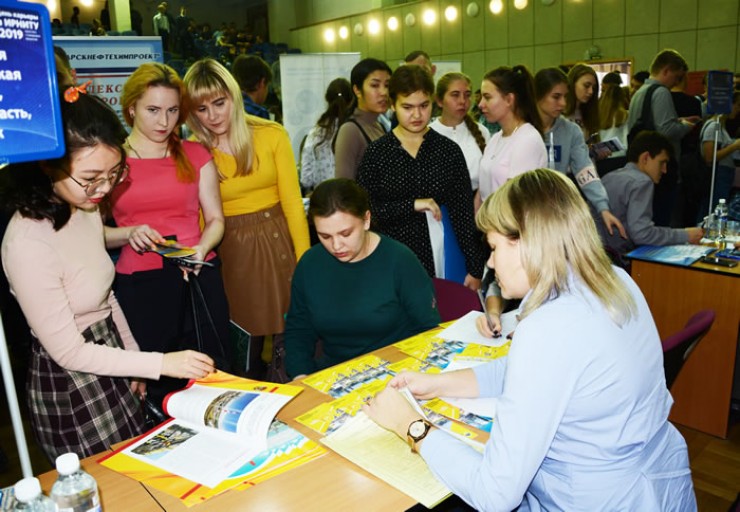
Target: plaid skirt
[80,412]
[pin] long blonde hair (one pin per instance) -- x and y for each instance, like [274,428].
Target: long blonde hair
[207,79]
[611,106]
[546,213]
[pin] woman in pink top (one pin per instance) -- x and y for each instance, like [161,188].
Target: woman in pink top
[507,98]
[79,395]
[170,183]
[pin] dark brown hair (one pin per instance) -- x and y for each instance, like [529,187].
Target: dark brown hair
[518,81]
[338,195]
[408,79]
[589,111]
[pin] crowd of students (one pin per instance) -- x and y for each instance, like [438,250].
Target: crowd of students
[582,411]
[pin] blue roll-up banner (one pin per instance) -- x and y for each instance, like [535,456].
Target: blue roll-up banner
[719,92]
[30,120]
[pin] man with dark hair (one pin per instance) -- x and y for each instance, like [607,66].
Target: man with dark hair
[630,192]
[253,76]
[637,80]
[421,58]
[667,70]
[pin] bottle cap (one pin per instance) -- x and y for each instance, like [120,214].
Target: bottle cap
[27,489]
[67,463]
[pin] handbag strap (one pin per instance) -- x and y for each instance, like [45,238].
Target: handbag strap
[196,295]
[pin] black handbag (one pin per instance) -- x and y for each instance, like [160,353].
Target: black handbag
[153,415]
[196,298]
[276,368]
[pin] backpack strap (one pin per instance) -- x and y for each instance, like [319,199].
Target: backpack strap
[354,122]
[646,116]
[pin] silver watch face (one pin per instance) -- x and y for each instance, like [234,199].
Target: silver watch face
[416,428]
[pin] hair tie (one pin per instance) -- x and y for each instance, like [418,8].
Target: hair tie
[72,94]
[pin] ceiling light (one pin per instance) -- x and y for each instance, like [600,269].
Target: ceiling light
[429,17]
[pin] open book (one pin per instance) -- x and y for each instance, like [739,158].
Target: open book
[218,424]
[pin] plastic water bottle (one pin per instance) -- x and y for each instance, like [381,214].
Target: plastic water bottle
[721,212]
[74,490]
[28,497]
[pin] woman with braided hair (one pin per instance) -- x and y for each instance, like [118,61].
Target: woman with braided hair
[453,94]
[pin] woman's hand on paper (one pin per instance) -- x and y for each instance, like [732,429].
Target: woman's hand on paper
[481,323]
[391,410]
[143,238]
[428,205]
[187,364]
[421,385]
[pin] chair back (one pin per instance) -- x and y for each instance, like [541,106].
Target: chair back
[454,300]
[678,347]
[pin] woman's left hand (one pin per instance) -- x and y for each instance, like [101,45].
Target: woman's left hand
[138,388]
[472,282]
[391,410]
[612,222]
[199,255]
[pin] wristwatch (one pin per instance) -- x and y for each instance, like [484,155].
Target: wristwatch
[418,430]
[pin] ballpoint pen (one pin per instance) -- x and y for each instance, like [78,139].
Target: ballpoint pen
[496,333]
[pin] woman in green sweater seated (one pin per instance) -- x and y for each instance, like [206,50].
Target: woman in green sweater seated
[357,291]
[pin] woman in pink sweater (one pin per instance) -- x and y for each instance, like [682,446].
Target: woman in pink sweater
[80,396]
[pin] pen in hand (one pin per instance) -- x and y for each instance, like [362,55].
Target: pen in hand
[496,333]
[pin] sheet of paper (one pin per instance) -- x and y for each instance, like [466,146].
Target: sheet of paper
[385,455]
[485,407]
[464,329]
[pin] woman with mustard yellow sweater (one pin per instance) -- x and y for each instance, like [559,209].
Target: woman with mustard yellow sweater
[266,230]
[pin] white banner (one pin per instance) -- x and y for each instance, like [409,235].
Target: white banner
[303,80]
[109,61]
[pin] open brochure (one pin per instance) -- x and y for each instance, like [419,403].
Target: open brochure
[388,457]
[218,424]
[286,449]
[179,254]
[681,255]
[605,147]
